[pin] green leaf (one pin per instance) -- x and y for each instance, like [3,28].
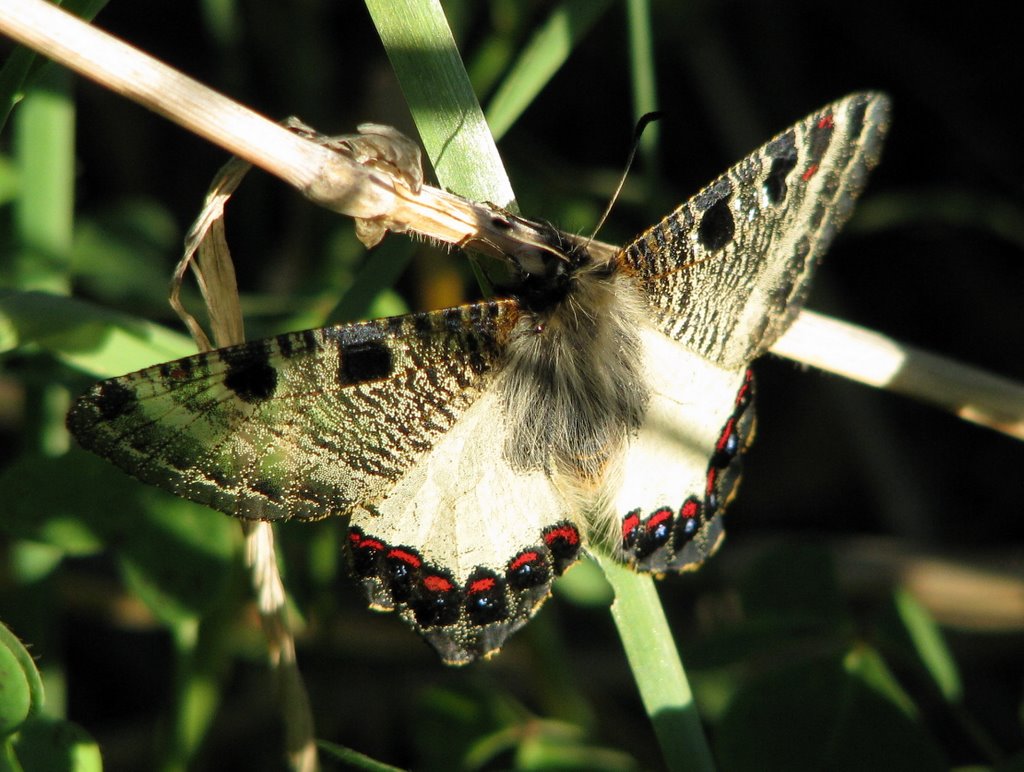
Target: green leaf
[484,729]
[54,515]
[21,688]
[372,285]
[121,253]
[179,557]
[176,555]
[929,645]
[56,745]
[101,342]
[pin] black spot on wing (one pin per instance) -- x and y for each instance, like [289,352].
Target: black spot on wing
[113,400]
[249,373]
[179,370]
[775,186]
[453,320]
[422,324]
[364,362]
[717,225]
[485,597]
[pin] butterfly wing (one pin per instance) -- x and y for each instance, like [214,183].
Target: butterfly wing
[393,423]
[727,271]
[725,274]
[465,547]
[683,467]
[403,425]
[303,425]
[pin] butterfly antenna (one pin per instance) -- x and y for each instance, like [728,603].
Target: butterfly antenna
[638,132]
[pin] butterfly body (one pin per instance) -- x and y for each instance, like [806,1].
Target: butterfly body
[475,451]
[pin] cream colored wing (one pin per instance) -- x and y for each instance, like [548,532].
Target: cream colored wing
[462,546]
[684,466]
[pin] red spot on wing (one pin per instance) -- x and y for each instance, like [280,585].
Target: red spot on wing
[522,559]
[658,518]
[406,557]
[726,435]
[563,532]
[827,122]
[435,583]
[690,510]
[712,479]
[630,523]
[481,585]
[363,544]
[744,392]
[811,171]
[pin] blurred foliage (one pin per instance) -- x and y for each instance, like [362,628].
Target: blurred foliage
[803,652]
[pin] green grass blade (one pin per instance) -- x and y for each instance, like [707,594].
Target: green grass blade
[930,646]
[657,670]
[353,759]
[446,111]
[44,209]
[641,56]
[546,52]
[93,339]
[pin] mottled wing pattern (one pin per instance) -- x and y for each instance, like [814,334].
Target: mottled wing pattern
[727,271]
[303,425]
[725,275]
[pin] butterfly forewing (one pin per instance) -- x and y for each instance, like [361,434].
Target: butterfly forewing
[394,423]
[303,425]
[728,270]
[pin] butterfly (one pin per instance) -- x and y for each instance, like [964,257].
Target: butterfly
[476,451]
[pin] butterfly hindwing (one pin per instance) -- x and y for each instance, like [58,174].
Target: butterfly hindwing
[683,467]
[303,425]
[464,546]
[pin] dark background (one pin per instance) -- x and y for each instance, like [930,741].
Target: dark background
[932,258]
